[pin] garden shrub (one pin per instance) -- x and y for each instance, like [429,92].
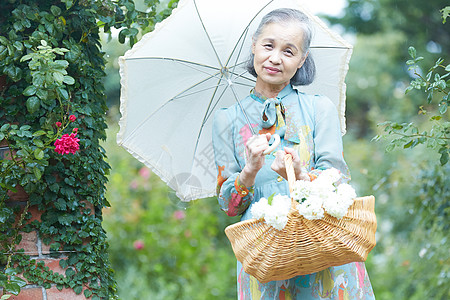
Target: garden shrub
[51,89]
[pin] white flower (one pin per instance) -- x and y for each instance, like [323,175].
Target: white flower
[329,176]
[322,195]
[346,191]
[276,218]
[302,189]
[275,214]
[259,208]
[311,208]
[282,202]
[335,207]
[322,189]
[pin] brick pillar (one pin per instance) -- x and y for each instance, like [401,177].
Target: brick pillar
[32,245]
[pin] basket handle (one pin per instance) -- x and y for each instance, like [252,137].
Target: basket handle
[290,171]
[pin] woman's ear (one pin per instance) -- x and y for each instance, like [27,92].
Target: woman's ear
[303,60]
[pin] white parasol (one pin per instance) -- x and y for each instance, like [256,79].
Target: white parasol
[192,64]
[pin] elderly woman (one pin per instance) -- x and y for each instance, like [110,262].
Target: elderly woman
[310,132]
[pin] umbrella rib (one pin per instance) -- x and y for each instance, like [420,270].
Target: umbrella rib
[167,102]
[209,111]
[205,89]
[187,62]
[206,32]
[328,47]
[243,110]
[206,117]
[244,33]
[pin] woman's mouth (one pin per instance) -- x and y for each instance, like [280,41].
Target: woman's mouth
[271,70]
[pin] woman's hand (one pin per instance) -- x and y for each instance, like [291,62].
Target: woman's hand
[255,147]
[279,166]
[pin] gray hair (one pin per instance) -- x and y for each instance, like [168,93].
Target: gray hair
[305,75]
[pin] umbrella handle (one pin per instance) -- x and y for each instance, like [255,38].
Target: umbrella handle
[274,144]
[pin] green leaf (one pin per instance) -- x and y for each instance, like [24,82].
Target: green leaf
[38,143]
[69,3]
[5,127]
[33,104]
[63,93]
[445,13]
[269,200]
[68,80]
[56,11]
[42,94]
[123,34]
[87,293]
[390,147]
[39,133]
[63,64]
[29,91]
[26,57]
[412,52]
[37,173]
[13,288]
[437,118]
[18,45]
[19,281]
[442,108]
[63,263]
[70,272]
[78,289]
[444,155]
[38,154]
[59,77]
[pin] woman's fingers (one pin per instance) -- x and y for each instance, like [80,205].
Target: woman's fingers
[258,143]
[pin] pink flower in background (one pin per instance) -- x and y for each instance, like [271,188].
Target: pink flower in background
[138,245]
[58,124]
[75,130]
[179,214]
[144,172]
[67,144]
[72,118]
[134,185]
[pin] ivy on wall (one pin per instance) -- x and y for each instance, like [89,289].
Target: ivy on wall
[51,85]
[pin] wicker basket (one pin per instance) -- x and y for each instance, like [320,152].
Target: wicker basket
[304,246]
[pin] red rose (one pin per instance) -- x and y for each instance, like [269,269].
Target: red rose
[67,144]
[72,118]
[58,124]
[75,130]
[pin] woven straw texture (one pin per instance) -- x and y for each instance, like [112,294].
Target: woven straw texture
[304,246]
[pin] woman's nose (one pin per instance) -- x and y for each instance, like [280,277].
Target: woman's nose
[275,57]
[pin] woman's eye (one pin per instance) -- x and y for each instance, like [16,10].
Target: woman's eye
[268,46]
[289,51]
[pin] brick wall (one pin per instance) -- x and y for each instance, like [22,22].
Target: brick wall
[32,244]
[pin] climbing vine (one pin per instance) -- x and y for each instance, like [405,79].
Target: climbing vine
[52,119]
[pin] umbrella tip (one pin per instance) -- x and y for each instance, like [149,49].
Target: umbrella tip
[226,74]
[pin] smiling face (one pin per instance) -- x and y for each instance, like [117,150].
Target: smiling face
[277,56]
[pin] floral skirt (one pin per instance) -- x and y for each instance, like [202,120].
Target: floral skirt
[349,281]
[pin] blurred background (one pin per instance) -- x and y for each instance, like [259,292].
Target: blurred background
[162,248]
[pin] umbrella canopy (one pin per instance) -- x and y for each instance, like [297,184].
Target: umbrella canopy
[193,63]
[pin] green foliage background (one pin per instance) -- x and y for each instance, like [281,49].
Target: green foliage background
[161,248]
[411,259]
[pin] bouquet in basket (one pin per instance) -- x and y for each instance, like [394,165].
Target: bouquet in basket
[313,199]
